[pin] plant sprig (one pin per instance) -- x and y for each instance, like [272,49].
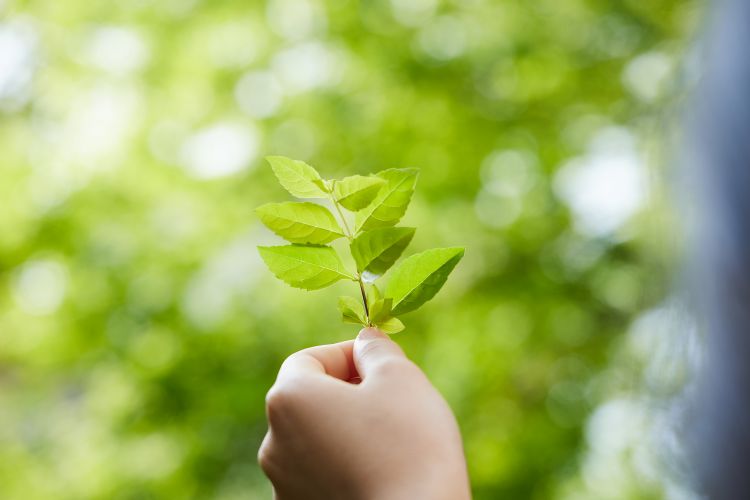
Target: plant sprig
[378,202]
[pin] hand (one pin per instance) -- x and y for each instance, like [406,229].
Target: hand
[390,437]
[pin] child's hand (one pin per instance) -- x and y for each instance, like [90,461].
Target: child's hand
[390,437]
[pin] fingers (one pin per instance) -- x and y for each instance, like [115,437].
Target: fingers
[268,461]
[264,454]
[306,380]
[374,351]
[334,360]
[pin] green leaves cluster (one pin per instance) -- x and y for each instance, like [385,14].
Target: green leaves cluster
[378,203]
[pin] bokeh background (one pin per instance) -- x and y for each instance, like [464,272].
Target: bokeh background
[139,331]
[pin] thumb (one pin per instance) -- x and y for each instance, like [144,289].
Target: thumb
[373,349]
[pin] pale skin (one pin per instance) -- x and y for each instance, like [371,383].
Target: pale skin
[358,420]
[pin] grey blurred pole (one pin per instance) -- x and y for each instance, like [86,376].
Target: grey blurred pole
[721,138]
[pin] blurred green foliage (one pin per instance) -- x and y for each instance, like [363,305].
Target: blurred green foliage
[139,330]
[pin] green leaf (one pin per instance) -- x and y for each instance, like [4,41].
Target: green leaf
[392,200]
[322,184]
[305,266]
[418,278]
[390,325]
[380,309]
[352,311]
[297,177]
[356,192]
[377,250]
[300,222]
[373,294]
[380,312]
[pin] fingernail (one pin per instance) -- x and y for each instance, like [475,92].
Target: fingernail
[370,333]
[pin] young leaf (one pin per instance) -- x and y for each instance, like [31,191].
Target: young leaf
[309,267]
[297,177]
[390,325]
[380,309]
[352,311]
[392,200]
[418,278]
[322,184]
[373,294]
[377,250]
[356,192]
[300,222]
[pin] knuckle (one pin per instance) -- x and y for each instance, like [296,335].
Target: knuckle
[279,400]
[264,459]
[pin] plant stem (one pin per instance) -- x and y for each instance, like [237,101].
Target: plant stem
[364,299]
[350,237]
[347,231]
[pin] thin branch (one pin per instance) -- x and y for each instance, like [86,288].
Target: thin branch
[364,299]
[335,202]
[350,236]
[343,220]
